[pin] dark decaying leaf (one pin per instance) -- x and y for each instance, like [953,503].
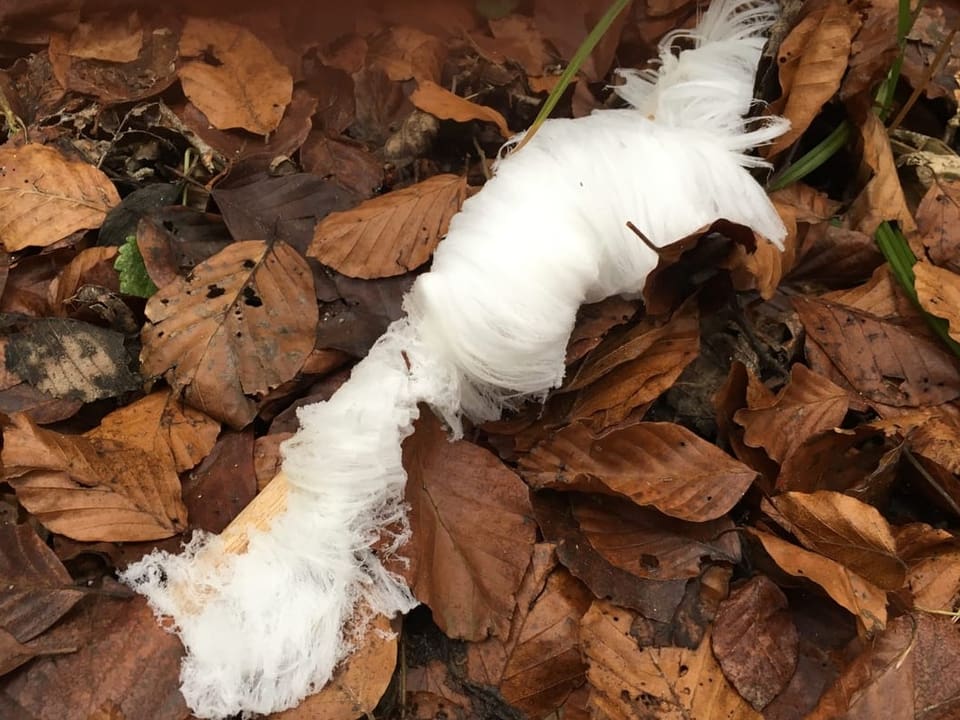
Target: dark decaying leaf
[755,641]
[14,653]
[655,599]
[37,590]
[885,362]
[658,464]
[473,532]
[80,685]
[240,324]
[281,208]
[70,359]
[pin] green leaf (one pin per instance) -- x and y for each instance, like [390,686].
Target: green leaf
[134,279]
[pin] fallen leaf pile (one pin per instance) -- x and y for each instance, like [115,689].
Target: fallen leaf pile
[743,502]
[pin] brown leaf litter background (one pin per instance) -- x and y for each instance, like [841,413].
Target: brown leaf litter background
[744,500]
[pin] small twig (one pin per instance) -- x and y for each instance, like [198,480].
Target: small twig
[646,241]
[929,478]
[927,76]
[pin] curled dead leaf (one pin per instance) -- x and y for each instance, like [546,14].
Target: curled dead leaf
[862,598]
[441,103]
[939,292]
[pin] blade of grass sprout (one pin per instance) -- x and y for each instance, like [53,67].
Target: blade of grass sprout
[817,156]
[579,57]
[901,260]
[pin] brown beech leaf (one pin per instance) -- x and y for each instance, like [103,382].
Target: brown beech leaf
[813,59]
[37,590]
[544,665]
[807,405]
[911,671]
[162,425]
[242,85]
[650,545]
[91,488]
[125,662]
[883,361]
[938,220]
[433,693]
[864,599]
[407,53]
[487,659]
[657,600]
[241,323]
[149,73]
[44,197]
[594,321]
[930,432]
[844,529]
[630,369]
[939,293]
[14,653]
[443,104]
[755,641]
[658,464]
[359,682]
[111,37]
[473,532]
[882,198]
[92,266]
[627,681]
[391,234]
[516,38]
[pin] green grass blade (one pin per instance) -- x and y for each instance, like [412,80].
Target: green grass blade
[576,62]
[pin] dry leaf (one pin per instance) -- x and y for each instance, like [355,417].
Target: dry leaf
[882,198]
[939,293]
[650,545]
[91,488]
[657,600]
[241,85]
[36,590]
[911,671]
[14,653]
[240,324]
[91,266]
[516,38]
[630,369]
[938,220]
[812,60]
[629,682]
[883,361]
[544,665]
[473,532]
[844,529]
[391,234]
[44,197]
[407,53]
[594,321]
[441,103]
[755,641]
[658,464]
[865,600]
[807,405]
[111,37]
[124,660]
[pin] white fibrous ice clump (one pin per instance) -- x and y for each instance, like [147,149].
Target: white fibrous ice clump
[485,328]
